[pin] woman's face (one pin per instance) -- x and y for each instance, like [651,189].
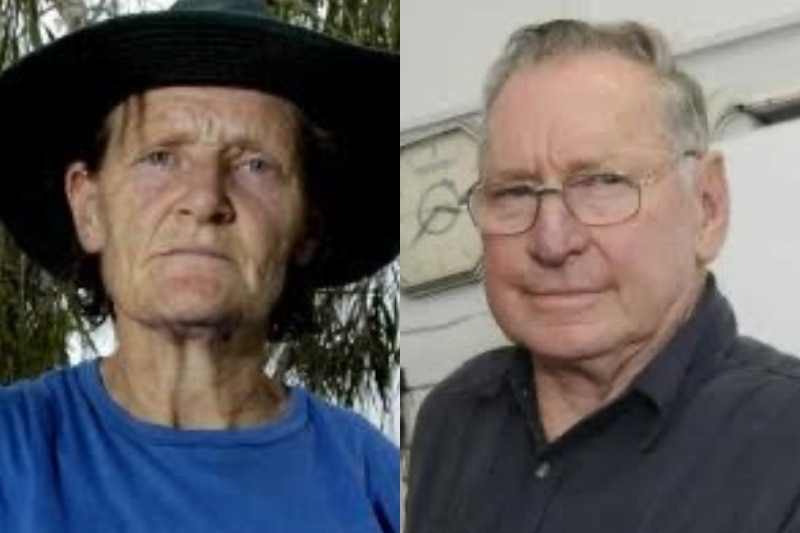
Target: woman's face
[197,207]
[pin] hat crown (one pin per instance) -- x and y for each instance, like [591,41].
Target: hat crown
[244,7]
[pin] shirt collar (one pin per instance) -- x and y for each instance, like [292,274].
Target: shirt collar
[687,361]
[690,357]
[487,376]
[708,328]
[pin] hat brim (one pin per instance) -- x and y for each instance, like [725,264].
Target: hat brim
[54,100]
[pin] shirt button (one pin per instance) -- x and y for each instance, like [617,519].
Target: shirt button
[543,470]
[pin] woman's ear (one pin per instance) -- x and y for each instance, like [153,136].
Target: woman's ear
[83,197]
[309,239]
[304,251]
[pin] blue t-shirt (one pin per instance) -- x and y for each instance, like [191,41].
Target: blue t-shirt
[71,460]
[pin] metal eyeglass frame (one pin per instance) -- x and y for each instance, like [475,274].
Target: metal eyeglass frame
[540,191]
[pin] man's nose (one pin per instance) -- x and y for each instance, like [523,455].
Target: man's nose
[556,234]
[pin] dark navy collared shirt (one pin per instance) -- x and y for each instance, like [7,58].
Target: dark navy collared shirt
[706,440]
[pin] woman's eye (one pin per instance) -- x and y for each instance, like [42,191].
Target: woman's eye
[259,165]
[159,158]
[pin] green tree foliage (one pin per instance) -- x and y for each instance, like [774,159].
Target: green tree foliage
[35,316]
[369,22]
[36,312]
[354,355]
[357,354]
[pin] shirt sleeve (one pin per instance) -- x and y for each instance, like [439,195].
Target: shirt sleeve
[423,460]
[383,480]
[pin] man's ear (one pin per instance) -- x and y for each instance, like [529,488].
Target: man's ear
[713,205]
[83,197]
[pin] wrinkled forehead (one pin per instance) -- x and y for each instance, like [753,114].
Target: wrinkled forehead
[574,108]
[215,115]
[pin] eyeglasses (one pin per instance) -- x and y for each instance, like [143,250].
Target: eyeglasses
[595,199]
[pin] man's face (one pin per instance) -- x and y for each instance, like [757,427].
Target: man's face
[568,291]
[197,207]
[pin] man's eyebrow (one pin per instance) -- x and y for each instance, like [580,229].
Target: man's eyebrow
[607,160]
[602,161]
[512,175]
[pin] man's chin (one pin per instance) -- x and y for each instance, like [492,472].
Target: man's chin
[566,342]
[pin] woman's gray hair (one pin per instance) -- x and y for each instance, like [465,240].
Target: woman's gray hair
[684,111]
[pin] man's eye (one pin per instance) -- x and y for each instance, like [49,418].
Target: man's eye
[509,192]
[599,180]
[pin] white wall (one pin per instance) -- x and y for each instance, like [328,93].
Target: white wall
[691,23]
[446,46]
[759,269]
[736,48]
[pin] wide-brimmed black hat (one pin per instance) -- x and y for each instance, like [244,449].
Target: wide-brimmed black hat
[53,102]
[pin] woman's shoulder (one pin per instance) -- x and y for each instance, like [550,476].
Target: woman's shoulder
[343,423]
[369,454]
[30,406]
